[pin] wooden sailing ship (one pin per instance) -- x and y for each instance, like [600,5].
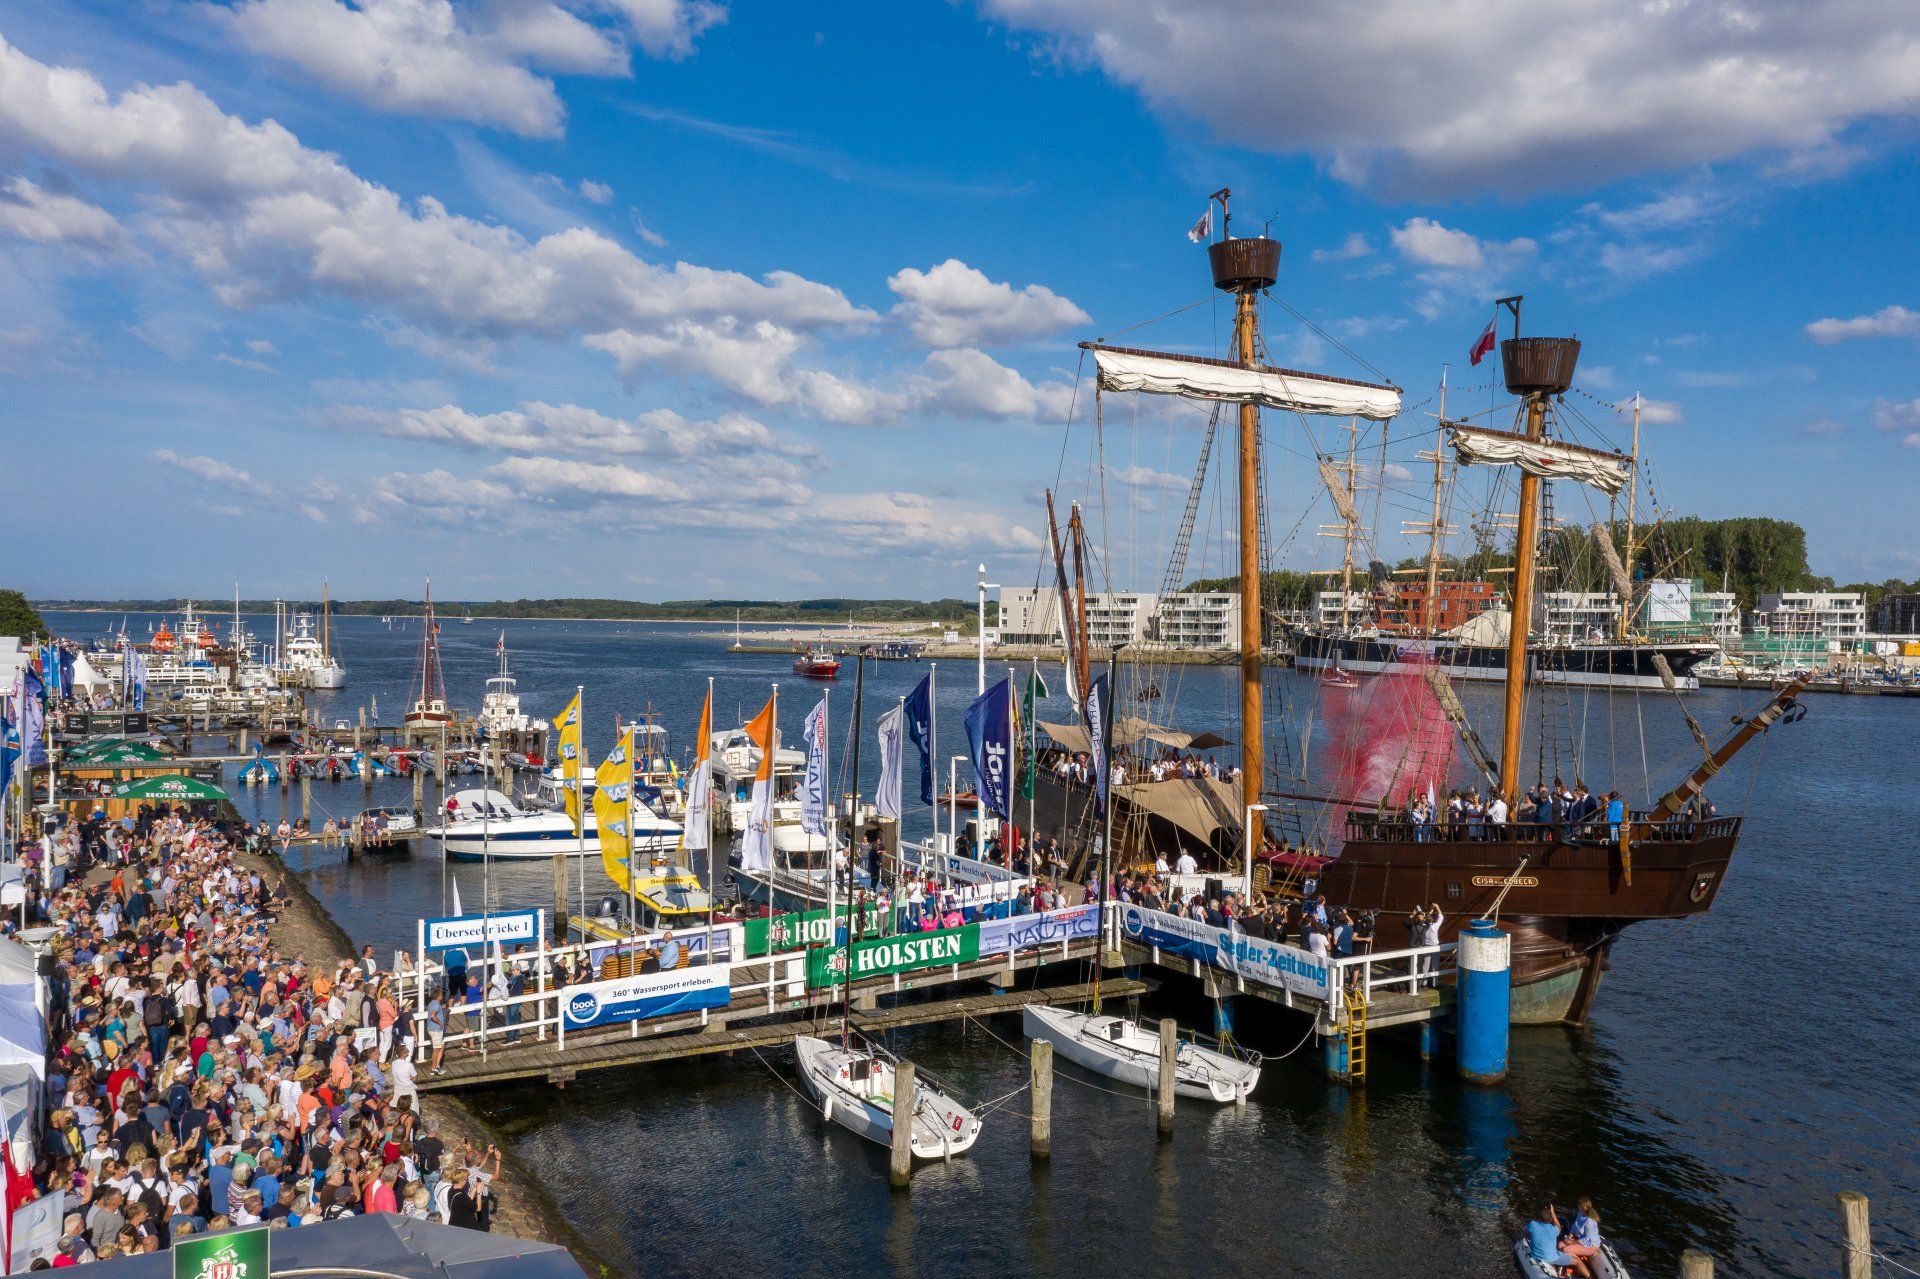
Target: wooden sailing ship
[429,709]
[1563,889]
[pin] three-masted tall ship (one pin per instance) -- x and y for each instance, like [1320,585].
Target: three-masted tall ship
[1562,889]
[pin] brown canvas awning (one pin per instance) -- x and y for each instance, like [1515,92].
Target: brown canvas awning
[1132,729]
[1194,804]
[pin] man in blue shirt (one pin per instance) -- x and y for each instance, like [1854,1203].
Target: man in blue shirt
[669,953]
[1543,1244]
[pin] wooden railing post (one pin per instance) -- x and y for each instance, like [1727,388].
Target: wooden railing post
[1695,1264]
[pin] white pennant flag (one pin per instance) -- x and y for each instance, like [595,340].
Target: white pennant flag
[892,732]
[1202,231]
[813,788]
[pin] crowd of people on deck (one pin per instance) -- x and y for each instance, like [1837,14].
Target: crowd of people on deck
[1076,768]
[201,1077]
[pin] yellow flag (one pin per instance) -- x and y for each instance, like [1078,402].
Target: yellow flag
[569,724]
[613,811]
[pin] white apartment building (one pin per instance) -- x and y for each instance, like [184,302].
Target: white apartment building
[1828,615]
[1577,615]
[1333,608]
[1207,621]
[1032,615]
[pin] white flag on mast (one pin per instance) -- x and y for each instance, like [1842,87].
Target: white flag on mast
[893,729]
[813,788]
[1202,231]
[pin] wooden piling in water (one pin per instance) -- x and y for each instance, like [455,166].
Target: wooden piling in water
[1695,1264]
[1169,1044]
[419,794]
[306,799]
[1041,1095]
[1857,1261]
[900,1158]
[285,781]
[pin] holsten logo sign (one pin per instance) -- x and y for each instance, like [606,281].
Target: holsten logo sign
[895,955]
[1258,959]
[483,930]
[653,995]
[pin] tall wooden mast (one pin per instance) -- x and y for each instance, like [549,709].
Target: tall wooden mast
[1243,267]
[1537,369]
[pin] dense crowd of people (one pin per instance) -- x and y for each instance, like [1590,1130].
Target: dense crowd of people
[199,1076]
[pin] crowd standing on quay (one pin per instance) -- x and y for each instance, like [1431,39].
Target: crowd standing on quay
[199,1076]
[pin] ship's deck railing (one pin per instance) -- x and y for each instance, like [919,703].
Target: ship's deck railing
[1400,830]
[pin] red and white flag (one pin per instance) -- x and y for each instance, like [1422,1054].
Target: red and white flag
[1483,344]
[1202,231]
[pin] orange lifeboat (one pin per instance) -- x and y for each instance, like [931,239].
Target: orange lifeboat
[162,641]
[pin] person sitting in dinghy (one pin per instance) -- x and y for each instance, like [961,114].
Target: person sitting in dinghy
[1583,1239]
[1545,1244]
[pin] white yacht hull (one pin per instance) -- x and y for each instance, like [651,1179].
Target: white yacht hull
[855,1090]
[1122,1050]
[540,836]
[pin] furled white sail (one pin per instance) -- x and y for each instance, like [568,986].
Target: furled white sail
[1549,459]
[1194,378]
[1338,490]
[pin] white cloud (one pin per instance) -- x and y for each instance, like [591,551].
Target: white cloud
[570,428]
[213,471]
[1887,322]
[1890,416]
[1654,412]
[954,305]
[239,362]
[1149,478]
[1823,426]
[598,192]
[1426,243]
[31,212]
[1599,92]
[265,218]
[471,354]
[1354,246]
[968,383]
[261,346]
[480,62]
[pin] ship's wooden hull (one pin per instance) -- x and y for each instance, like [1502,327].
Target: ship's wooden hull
[1567,901]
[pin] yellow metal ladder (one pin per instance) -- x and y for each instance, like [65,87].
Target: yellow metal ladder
[1356,1034]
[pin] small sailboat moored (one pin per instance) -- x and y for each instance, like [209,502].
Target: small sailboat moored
[854,1087]
[1123,1050]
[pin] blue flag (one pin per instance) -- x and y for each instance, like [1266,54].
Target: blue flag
[920,728]
[990,742]
[1100,732]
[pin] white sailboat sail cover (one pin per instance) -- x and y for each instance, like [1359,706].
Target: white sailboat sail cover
[1548,459]
[1157,373]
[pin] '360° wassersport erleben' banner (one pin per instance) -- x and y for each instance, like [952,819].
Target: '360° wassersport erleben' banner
[681,990]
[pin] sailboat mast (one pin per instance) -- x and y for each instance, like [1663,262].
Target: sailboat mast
[1243,267]
[1633,490]
[1537,369]
[1082,658]
[1434,528]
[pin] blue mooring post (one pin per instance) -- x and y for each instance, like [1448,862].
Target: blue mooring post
[1485,1002]
[1335,1055]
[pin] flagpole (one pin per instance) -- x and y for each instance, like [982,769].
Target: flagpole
[933,748]
[633,897]
[580,788]
[706,818]
[1033,765]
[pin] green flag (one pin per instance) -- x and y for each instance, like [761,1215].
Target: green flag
[1036,690]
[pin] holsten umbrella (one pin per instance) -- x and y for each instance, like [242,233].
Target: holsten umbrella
[168,786]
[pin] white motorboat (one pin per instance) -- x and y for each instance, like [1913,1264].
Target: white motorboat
[501,718]
[484,823]
[854,1087]
[307,659]
[1123,1050]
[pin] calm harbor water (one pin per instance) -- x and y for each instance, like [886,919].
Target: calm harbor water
[1739,1070]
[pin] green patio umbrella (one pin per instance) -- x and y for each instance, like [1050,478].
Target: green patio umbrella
[113,750]
[173,787]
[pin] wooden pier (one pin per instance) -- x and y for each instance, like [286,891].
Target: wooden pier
[674,1038]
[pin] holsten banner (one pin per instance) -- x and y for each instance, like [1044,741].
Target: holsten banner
[483,930]
[1255,958]
[683,990]
[794,931]
[899,954]
[998,936]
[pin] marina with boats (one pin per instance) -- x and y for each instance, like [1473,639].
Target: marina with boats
[1096,843]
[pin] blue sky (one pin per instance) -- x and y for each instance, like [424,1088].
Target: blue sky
[667,298]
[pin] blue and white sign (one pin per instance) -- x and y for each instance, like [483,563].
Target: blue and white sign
[998,936]
[1258,959]
[684,990]
[459,931]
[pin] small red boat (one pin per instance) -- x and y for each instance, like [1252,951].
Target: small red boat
[816,663]
[1338,678]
